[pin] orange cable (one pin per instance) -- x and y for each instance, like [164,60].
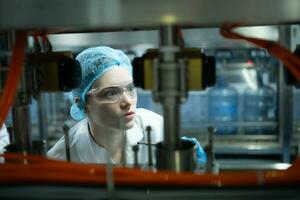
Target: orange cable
[13,76]
[51,171]
[292,62]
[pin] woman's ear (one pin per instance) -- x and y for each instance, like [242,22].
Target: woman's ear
[77,100]
[86,110]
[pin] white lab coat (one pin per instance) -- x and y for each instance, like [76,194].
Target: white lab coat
[4,140]
[83,149]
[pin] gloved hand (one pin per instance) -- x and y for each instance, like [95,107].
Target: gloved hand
[201,155]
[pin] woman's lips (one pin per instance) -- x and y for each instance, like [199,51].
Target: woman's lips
[129,116]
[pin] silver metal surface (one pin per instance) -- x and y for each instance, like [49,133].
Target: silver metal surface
[43,133]
[285,97]
[242,144]
[169,37]
[67,142]
[210,149]
[167,90]
[84,14]
[244,164]
[178,160]
[135,149]
[171,126]
[216,192]
[22,127]
[246,149]
[139,41]
[21,115]
[149,146]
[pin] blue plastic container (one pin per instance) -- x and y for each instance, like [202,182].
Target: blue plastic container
[223,107]
[259,106]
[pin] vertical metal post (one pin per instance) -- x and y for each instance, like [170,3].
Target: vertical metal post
[21,116]
[150,162]
[67,142]
[285,104]
[170,90]
[41,117]
[21,123]
[169,86]
[210,149]
[135,149]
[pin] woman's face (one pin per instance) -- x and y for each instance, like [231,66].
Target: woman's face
[112,100]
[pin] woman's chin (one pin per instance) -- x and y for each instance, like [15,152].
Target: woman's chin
[129,125]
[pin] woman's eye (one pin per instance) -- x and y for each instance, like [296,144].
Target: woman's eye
[110,93]
[130,88]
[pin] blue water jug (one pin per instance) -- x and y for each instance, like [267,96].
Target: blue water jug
[259,108]
[223,107]
[193,113]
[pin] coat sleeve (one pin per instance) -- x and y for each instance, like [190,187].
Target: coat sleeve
[155,121]
[4,138]
[58,150]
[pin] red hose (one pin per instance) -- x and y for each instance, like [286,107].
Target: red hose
[13,76]
[42,171]
[291,62]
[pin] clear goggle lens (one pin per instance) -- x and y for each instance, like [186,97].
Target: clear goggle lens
[113,94]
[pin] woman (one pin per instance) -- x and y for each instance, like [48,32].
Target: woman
[105,103]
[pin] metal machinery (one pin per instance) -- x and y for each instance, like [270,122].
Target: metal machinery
[56,180]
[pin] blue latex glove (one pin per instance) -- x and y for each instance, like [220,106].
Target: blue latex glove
[201,155]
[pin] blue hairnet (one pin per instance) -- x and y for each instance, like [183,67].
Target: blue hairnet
[94,63]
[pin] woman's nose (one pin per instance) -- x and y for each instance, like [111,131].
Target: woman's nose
[126,101]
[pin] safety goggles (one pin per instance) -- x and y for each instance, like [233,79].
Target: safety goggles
[113,94]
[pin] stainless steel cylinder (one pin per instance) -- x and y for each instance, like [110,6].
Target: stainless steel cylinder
[172,153]
[169,79]
[171,126]
[22,127]
[169,36]
[179,160]
[21,114]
